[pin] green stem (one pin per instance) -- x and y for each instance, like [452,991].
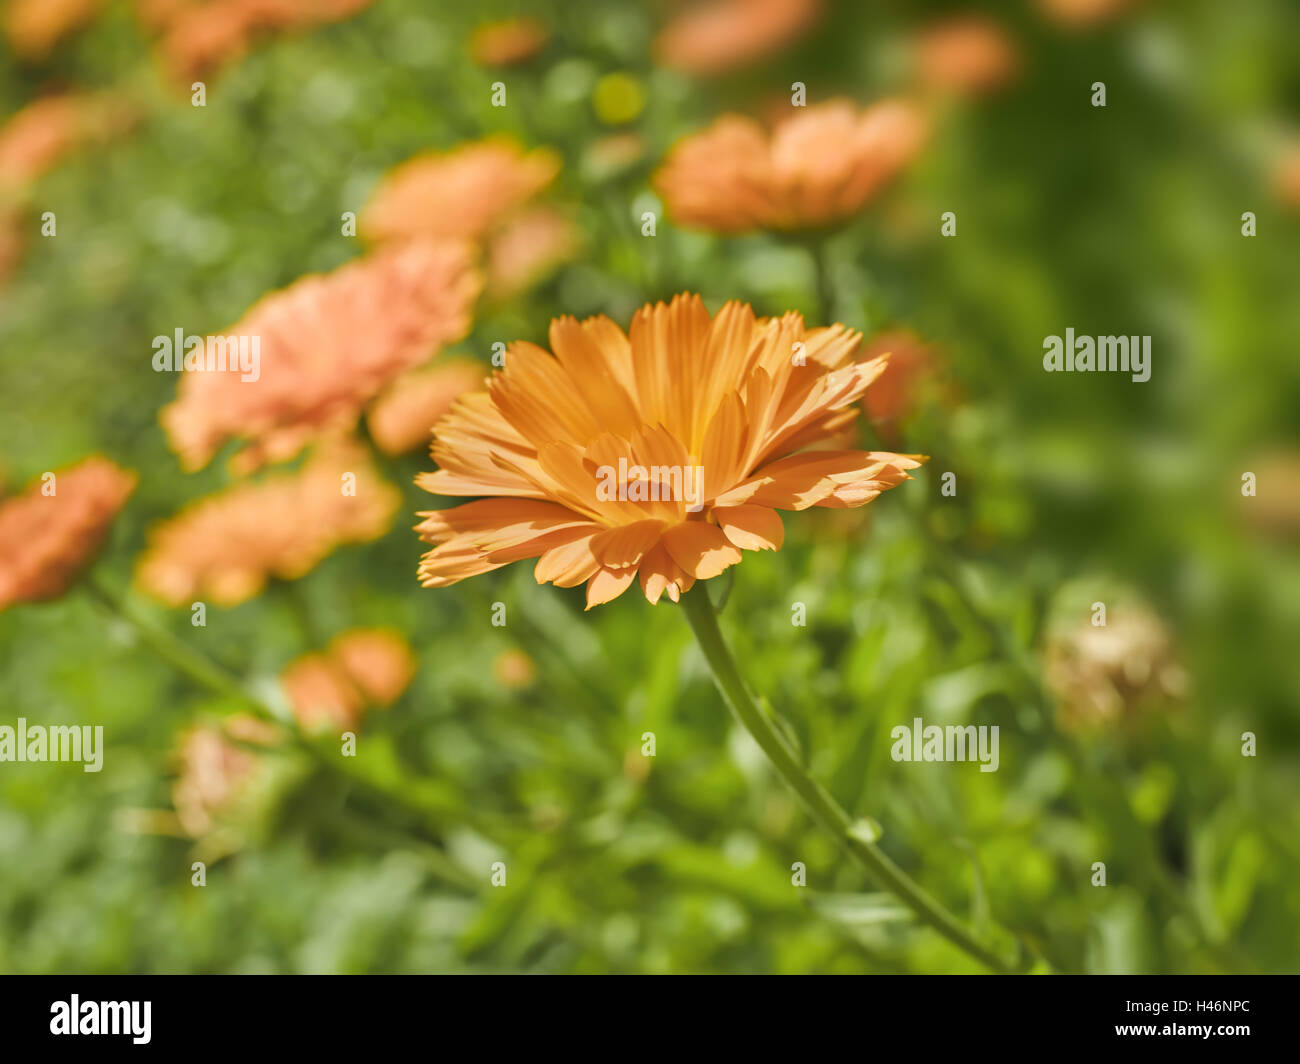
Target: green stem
[704,624]
[822,281]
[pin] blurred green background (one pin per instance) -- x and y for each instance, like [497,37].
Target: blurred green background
[1072,489]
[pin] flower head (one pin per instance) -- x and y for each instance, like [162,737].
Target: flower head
[225,547]
[507,41]
[34,27]
[327,345]
[217,773]
[362,668]
[723,34]
[53,530]
[819,166]
[462,193]
[528,248]
[659,454]
[38,137]
[967,54]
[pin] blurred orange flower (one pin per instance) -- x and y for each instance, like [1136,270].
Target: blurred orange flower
[328,344]
[508,41]
[966,54]
[1286,177]
[1080,14]
[461,193]
[719,35]
[34,27]
[226,546]
[200,38]
[39,136]
[214,769]
[527,249]
[53,530]
[402,418]
[11,242]
[660,454]
[514,669]
[362,668]
[820,165]
[894,391]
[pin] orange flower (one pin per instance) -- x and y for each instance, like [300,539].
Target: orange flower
[967,54]
[1081,14]
[402,418]
[507,42]
[364,667]
[461,193]
[46,540]
[38,137]
[819,166]
[514,669]
[200,38]
[909,359]
[328,344]
[34,27]
[226,546]
[11,242]
[717,36]
[658,454]
[1286,176]
[215,771]
[528,248]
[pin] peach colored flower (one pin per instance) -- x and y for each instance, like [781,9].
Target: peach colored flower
[528,248]
[968,54]
[819,166]
[362,668]
[39,136]
[660,454]
[514,669]
[46,540]
[329,343]
[402,418]
[215,770]
[34,27]
[893,393]
[1286,177]
[1082,14]
[225,547]
[199,39]
[508,41]
[720,35]
[462,193]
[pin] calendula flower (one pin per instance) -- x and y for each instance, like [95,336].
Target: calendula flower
[659,454]
[225,547]
[402,418]
[1104,675]
[366,667]
[327,344]
[720,35]
[34,27]
[42,134]
[892,394]
[528,248]
[966,54]
[508,41]
[462,193]
[1286,176]
[201,38]
[514,669]
[819,166]
[1082,14]
[216,770]
[53,530]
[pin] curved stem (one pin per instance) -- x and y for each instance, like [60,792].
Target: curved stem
[704,623]
[822,280]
